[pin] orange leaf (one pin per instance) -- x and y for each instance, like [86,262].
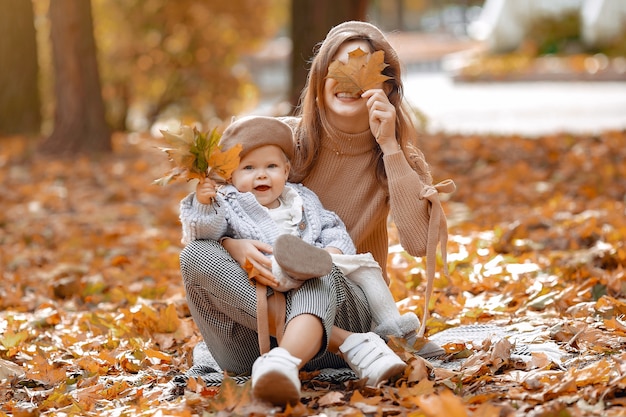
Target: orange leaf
[197,155]
[362,72]
[445,404]
[231,395]
[251,269]
[223,163]
[168,321]
[43,370]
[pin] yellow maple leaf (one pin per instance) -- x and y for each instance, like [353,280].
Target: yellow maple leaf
[223,163]
[168,321]
[362,72]
[197,155]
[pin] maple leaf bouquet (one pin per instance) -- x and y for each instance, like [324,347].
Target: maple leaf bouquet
[198,155]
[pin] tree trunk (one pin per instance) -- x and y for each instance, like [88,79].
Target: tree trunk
[310,22]
[79,118]
[20,107]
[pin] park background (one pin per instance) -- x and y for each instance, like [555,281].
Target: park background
[522,104]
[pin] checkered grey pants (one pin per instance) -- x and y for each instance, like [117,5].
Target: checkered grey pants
[223,305]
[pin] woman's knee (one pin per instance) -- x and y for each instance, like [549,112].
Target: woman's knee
[198,259]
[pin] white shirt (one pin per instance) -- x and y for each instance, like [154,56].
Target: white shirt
[288,214]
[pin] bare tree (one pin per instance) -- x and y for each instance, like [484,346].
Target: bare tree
[20,106]
[310,22]
[79,118]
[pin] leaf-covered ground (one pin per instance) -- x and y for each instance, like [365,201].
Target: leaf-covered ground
[93,319]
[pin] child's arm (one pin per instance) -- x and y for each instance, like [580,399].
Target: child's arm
[202,214]
[332,233]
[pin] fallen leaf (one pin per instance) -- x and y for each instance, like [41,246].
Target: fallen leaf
[443,404]
[9,370]
[231,395]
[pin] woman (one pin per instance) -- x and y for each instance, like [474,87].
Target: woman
[357,151]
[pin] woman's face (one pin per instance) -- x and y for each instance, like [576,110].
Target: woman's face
[346,111]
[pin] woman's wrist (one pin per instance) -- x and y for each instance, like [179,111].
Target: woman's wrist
[390,147]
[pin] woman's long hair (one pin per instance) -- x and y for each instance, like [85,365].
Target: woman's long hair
[312,107]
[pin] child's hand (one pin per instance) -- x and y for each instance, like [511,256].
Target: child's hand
[205,191]
[333,250]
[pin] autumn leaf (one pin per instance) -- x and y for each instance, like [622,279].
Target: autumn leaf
[168,320]
[45,371]
[223,163]
[444,404]
[362,72]
[231,395]
[250,270]
[198,155]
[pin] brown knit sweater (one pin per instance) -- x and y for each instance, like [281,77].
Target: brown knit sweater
[344,179]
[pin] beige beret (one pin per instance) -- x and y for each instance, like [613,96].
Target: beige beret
[255,131]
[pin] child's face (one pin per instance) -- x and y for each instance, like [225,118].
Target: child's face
[263,172]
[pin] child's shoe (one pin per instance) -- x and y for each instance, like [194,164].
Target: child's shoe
[301,260]
[370,358]
[275,377]
[406,327]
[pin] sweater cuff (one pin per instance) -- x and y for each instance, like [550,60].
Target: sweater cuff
[203,209]
[397,166]
[344,247]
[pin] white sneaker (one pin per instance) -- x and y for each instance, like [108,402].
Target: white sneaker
[275,377]
[370,358]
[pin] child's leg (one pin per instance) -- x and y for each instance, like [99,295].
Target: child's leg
[303,337]
[364,271]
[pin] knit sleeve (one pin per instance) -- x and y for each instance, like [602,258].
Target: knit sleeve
[409,211]
[202,221]
[335,234]
[331,231]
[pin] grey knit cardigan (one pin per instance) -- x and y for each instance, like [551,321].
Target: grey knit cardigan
[241,216]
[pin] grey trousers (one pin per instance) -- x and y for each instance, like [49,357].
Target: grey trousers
[223,305]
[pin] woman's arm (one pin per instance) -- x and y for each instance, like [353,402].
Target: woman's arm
[409,210]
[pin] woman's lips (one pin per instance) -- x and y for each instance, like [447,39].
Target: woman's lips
[348,95]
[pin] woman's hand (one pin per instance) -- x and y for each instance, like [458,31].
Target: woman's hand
[254,252]
[382,118]
[205,191]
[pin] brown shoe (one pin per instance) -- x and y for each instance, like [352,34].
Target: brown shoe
[299,259]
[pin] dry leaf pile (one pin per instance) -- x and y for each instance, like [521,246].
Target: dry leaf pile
[93,319]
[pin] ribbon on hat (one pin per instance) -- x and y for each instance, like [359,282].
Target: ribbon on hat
[437,233]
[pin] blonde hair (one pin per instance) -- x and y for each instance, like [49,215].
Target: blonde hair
[312,108]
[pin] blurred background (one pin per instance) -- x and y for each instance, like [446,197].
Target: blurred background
[74,71]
